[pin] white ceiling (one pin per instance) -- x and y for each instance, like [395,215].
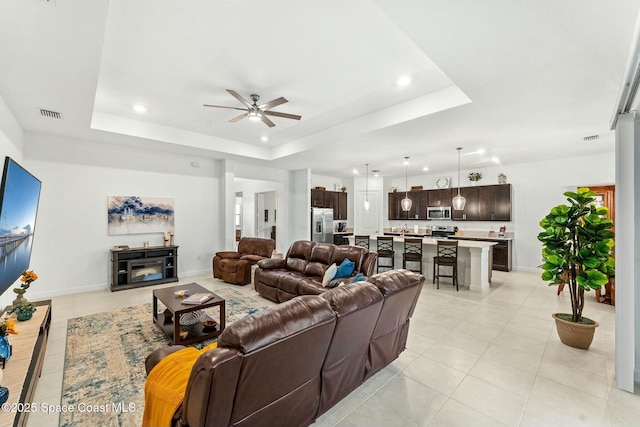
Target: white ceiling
[521,80]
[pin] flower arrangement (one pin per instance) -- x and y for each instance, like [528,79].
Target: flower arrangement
[24,310]
[475,176]
[8,326]
[27,278]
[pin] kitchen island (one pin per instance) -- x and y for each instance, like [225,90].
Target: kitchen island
[474,261]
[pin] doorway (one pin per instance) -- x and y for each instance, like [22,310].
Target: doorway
[368,222]
[606,196]
[265,222]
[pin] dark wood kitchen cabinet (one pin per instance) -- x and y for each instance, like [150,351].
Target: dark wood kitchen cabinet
[471,208]
[336,200]
[494,202]
[500,252]
[317,198]
[484,203]
[339,205]
[395,205]
[502,256]
[440,197]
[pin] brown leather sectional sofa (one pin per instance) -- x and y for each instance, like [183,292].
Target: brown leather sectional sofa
[235,266]
[302,269]
[259,376]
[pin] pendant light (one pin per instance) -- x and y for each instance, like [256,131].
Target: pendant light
[406,202]
[458,202]
[366,205]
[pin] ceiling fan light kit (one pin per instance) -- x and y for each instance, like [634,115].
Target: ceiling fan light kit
[257,112]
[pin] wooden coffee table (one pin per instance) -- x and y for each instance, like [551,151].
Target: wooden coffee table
[169,321]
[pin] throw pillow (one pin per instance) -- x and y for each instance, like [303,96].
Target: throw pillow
[329,274]
[359,277]
[346,268]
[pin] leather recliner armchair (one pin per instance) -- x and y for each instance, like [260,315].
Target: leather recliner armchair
[235,266]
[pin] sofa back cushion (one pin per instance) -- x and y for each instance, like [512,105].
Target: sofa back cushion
[299,254]
[357,307]
[319,259]
[214,374]
[354,253]
[401,289]
[256,246]
[277,384]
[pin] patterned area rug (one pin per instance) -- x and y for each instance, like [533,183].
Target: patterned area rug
[104,371]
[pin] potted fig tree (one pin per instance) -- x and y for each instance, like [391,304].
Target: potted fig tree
[576,249]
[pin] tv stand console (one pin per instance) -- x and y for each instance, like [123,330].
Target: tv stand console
[23,369]
[137,267]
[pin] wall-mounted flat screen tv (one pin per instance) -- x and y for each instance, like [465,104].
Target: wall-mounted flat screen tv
[19,197]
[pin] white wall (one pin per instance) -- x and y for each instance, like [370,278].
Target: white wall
[11,141]
[71,245]
[627,250]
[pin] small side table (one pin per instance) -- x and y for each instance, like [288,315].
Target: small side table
[170,323]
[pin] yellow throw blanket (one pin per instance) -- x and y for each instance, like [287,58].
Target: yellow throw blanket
[166,384]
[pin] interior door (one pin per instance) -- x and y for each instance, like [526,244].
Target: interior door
[368,222]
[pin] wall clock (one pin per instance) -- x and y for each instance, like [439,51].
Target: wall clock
[443,182]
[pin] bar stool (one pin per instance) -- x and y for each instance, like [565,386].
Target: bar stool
[447,256]
[361,241]
[384,247]
[412,253]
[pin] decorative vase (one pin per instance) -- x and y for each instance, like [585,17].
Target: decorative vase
[5,347]
[24,316]
[18,300]
[574,334]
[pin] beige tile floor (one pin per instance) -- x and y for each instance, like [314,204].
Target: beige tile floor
[491,359]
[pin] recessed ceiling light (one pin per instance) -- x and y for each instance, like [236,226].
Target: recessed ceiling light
[264,139]
[355,172]
[494,159]
[404,81]
[139,108]
[426,168]
[481,151]
[376,172]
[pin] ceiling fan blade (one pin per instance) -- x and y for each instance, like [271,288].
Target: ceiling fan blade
[222,106]
[238,118]
[273,103]
[266,121]
[285,115]
[237,96]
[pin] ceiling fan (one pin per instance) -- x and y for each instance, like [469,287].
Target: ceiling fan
[257,112]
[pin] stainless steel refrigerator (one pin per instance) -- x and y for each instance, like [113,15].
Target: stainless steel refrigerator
[322,225]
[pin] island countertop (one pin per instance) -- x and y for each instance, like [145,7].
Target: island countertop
[474,256]
[434,241]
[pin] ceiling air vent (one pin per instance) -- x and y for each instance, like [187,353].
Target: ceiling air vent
[591,138]
[49,113]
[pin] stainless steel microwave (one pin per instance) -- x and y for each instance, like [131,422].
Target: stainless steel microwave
[439,212]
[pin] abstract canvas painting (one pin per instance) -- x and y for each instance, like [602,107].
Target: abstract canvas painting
[137,215]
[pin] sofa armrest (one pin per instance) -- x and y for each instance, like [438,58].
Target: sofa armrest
[369,263]
[272,263]
[156,356]
[229,254]
[252,258]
